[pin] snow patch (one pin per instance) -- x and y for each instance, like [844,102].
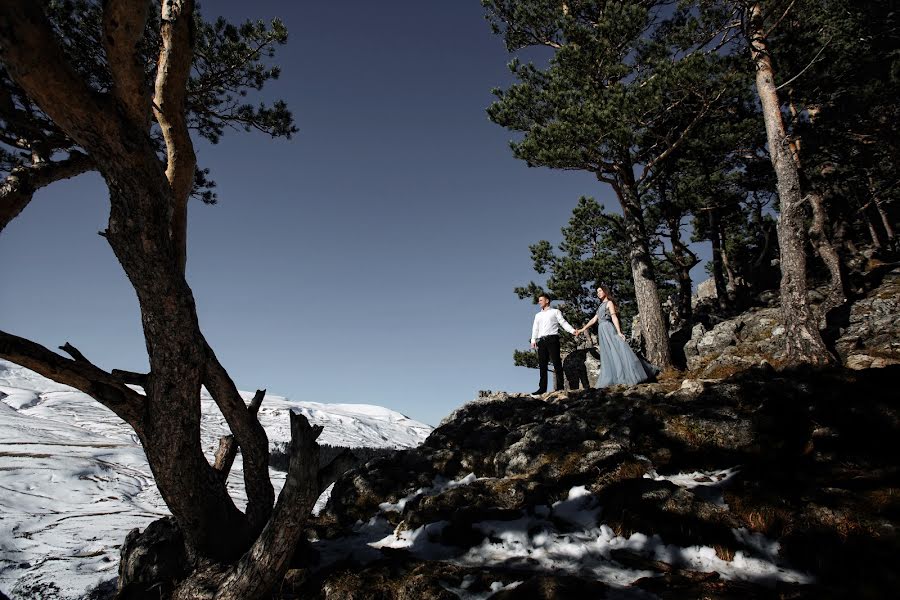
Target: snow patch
[74,480]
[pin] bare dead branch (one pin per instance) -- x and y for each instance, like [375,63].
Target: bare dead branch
[228,445]
[80,374]
[266,560]
[75,353]
[804,69]
[342,463]
[123,29]
[130,377]
[225,455]
[250,437]
[781,18]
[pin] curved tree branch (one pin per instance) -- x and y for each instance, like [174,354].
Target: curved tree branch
[34,59]
[81,374]
[228,445]
[249,435]
[19,187]
[266,560]
[172,73]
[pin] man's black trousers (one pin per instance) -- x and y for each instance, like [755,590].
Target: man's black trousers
[548,349]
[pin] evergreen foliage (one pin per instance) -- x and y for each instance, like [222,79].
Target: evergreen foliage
[593,251]
[229,62]
[279,457]
[659,100]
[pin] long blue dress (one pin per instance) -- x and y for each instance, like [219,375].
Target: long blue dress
[618,363]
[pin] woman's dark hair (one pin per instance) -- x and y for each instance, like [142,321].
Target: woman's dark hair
[608,295]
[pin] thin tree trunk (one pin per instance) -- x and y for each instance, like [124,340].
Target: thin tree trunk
[717,268]
[826,251]
[874,234]
[817,234]
[885,219]
[803,340]
[732,285]
[886,223]
[684,261]
[653,322]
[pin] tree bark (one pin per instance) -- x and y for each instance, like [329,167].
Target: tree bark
[874,232]
[826,251]
[886,223]
[146,235]
[715,238]
[653,322]
[803,340]
[172,74]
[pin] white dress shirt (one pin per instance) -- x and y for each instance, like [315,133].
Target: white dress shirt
[547,322]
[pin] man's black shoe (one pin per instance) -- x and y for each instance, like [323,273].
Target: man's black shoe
[538,393]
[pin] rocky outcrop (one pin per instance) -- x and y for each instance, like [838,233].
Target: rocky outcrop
[863,333]
[868,331]
[667,488]
[750,339]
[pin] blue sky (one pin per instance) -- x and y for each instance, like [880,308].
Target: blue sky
[370,259]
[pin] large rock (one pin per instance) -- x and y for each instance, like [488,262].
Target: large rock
[749,339]
[706,291]
[869,332]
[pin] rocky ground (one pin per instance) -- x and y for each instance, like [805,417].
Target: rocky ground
[862,333]
[740,481]
[792,469]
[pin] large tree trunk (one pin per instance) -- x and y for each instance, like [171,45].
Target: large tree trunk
[193,490]
[653,322]
[146,236]
[803,340]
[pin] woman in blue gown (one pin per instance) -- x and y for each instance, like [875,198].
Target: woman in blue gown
[618,362]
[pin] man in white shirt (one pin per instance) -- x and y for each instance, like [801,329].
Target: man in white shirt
[545,337]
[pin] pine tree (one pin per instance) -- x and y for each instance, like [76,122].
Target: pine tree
[623,88]
[98,86]
[591,253]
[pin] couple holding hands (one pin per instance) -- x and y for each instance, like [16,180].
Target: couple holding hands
[618,363]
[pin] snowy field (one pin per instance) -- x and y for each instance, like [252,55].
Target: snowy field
[74,481]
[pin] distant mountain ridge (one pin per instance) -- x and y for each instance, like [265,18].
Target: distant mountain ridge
[74,480]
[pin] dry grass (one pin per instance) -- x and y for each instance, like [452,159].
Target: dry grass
[766,518]
[724,552]
[883,499]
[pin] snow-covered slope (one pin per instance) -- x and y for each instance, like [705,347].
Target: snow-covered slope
[73,479]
